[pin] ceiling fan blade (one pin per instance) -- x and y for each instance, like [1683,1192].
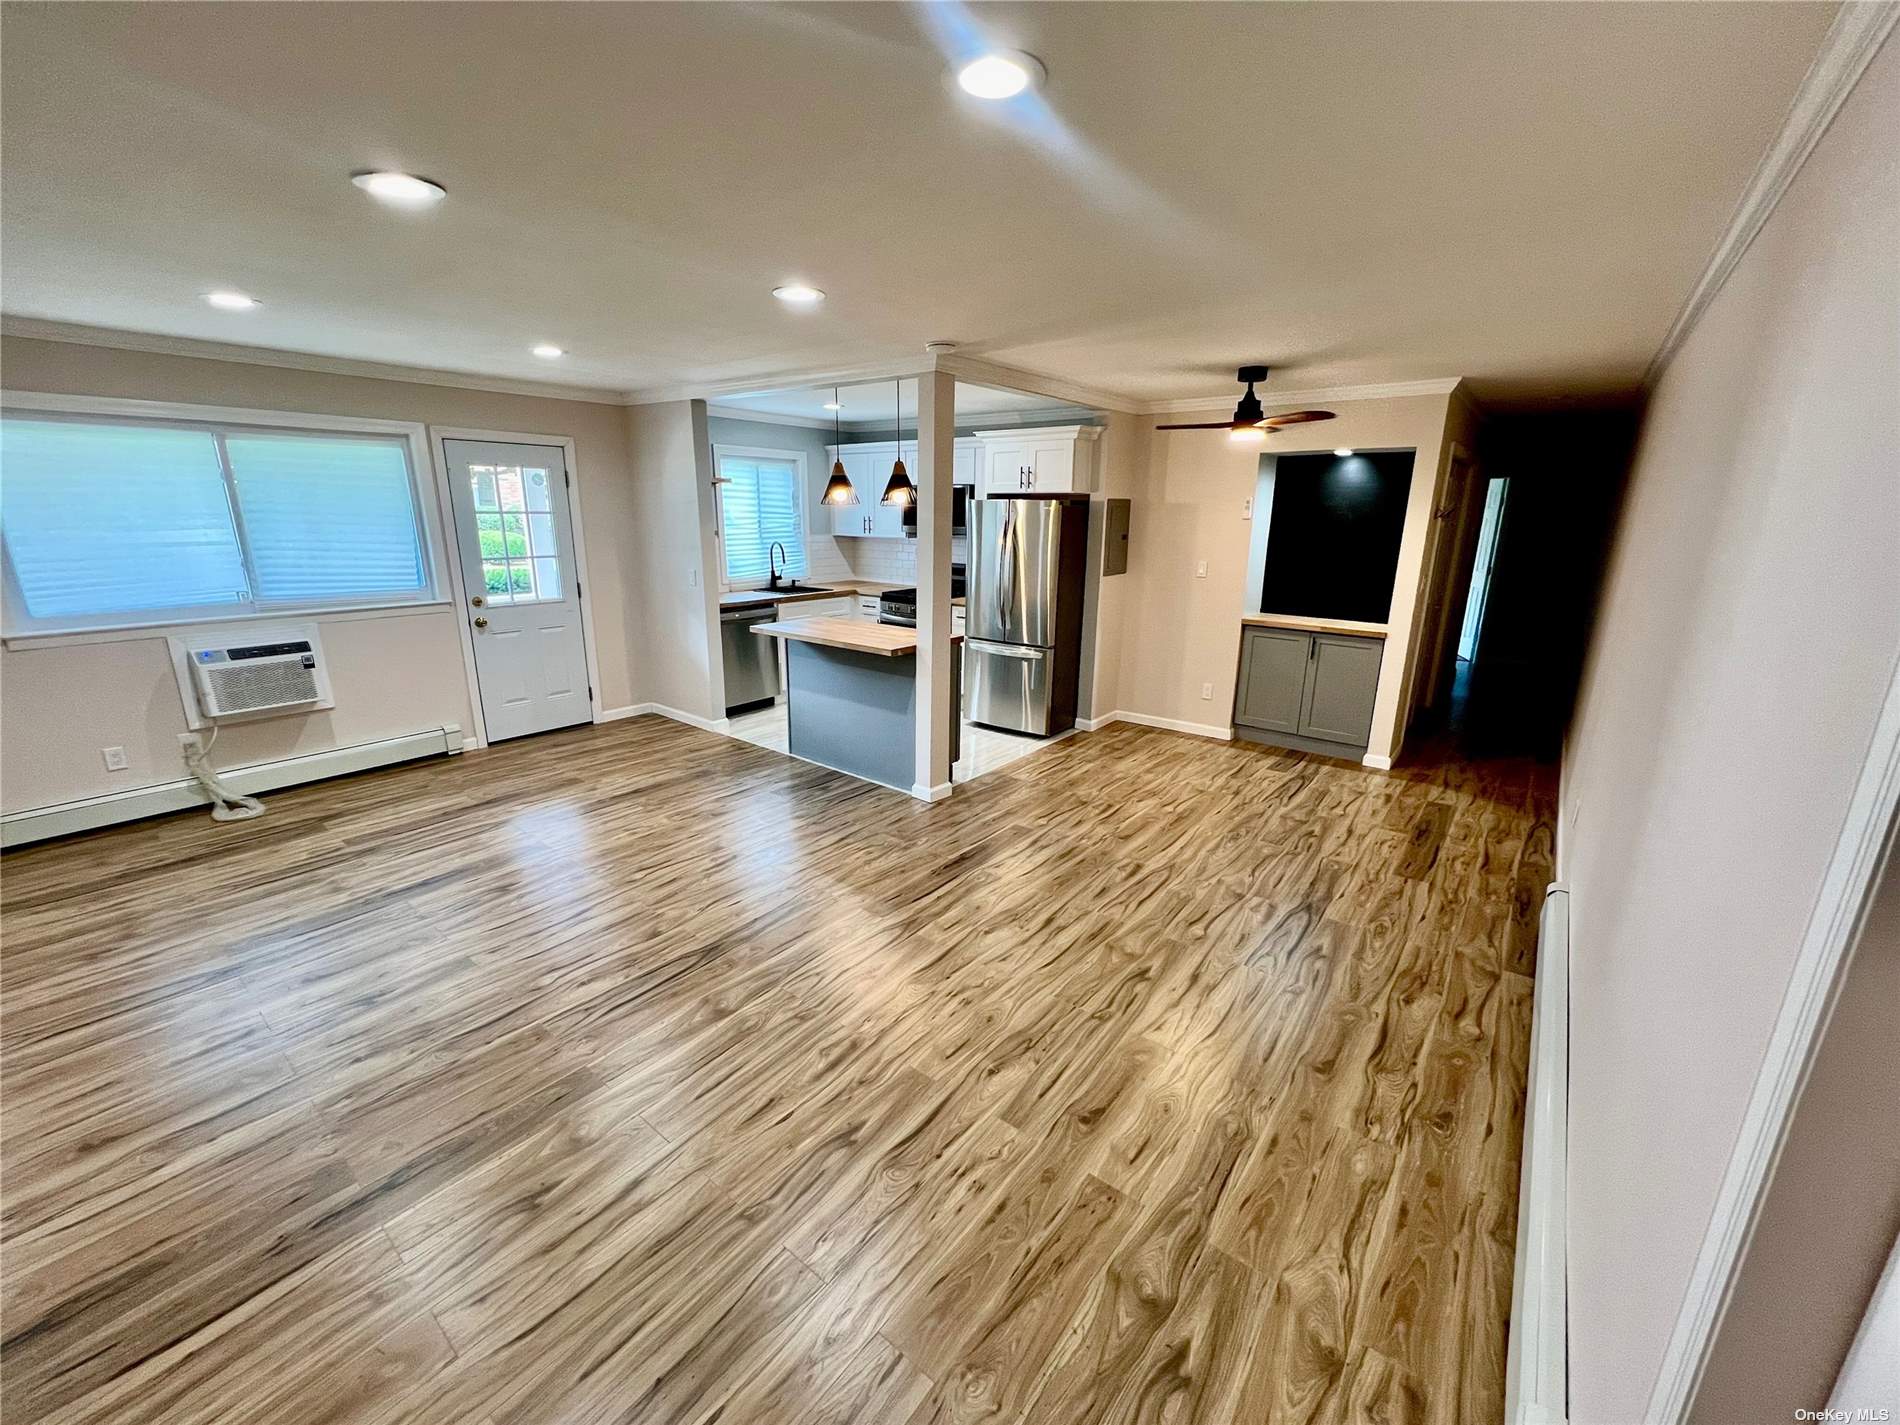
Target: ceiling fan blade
[1204,425]
[1295,418]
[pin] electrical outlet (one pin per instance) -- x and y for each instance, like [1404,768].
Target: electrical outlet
[190,743]
[1246,508]
[692,578]
[1207,692]
[1200,570]
[115,758]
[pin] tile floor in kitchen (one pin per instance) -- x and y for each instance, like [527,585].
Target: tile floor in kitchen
[984,750]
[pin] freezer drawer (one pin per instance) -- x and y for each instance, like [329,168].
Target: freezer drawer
[1009,685]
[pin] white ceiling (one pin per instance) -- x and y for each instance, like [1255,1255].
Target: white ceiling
[879,401]
[1522,194]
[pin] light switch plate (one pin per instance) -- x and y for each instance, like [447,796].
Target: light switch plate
[1200,570]
[115,758]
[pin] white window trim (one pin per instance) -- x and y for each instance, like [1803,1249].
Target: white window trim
[800,493]
[429,527]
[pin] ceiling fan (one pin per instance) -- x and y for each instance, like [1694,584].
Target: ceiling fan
[1250,422]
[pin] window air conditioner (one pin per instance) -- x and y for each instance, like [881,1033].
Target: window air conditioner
[281,671]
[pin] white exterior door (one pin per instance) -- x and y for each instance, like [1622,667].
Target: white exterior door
[516,545]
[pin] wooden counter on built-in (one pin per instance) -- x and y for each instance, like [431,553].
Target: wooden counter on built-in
[1299,623]
[889,640]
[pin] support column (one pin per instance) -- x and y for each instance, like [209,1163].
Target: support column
[936,674]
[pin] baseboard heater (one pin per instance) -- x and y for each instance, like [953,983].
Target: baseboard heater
[1537,1362]
[63,818]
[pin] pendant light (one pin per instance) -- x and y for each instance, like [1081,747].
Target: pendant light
[838,489]
[899,491]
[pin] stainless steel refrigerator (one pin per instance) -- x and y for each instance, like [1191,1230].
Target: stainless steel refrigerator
[1022,645]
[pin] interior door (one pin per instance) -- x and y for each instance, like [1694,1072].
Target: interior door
[515,540]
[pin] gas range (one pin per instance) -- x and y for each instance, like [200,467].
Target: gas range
[899,606]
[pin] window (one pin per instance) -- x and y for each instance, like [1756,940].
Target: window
[760,501]
[514,520]
[119,523]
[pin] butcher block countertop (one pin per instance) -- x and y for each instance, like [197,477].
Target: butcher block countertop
[765,598]
[857,634]
[1299,623]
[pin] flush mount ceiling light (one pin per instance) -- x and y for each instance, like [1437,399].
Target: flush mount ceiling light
[1001,74]
[400,190]
[231,301]
[1251,424]
[797,294]
[548,351]
[1341,451]
[838,489]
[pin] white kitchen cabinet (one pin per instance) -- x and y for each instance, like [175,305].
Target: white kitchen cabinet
[867,606]
[1053,460]
[844,606]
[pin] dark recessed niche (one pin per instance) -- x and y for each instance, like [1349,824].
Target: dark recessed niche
[1333,537]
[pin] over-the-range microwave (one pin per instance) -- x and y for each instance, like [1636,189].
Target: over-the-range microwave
[959,512]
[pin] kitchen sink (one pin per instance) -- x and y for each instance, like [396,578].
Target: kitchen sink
[796,588]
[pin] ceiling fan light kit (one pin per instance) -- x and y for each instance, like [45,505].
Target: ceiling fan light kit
[1251,425]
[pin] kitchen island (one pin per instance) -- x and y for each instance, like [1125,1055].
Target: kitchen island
[851,695]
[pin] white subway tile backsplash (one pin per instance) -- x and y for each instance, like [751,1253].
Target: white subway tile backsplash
[893,561]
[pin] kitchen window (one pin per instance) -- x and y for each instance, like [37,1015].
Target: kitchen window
[127,523]
[761,500]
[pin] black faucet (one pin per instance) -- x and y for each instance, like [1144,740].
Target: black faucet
[772,558]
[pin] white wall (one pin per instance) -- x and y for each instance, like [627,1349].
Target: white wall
[392,675]
[673,548]
[1181,632]
[1750,623]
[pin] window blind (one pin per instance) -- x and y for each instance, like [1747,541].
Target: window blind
[109,522]
[759,504]
[113,518]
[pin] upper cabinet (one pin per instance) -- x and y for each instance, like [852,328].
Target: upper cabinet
[868,464]
[1049,460]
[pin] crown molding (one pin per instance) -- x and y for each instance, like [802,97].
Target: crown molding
[715,411]
[1859,28]
[77,334]
[1380,391]
[980,371]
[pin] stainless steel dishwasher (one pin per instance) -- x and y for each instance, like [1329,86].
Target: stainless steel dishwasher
[751,662]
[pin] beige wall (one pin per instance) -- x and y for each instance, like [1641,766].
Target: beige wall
[1181,631]
[391,675]
[1750,623]
[674,548]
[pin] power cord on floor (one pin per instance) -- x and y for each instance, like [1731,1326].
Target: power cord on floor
[226,805]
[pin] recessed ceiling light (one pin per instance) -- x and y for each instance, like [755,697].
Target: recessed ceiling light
[548,351]
[401,190]
[1001,74]
[797,294]
[833,406]
[231,301]
[1342,452]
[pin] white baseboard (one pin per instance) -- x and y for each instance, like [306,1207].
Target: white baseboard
[469,744]
[63,818]
[1376,762]
[930,794]
[1090,724]
[1537,1360]
[704,724]
[1173,724]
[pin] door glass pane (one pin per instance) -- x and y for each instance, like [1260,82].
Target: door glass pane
[481,479]
[488,527]
[547,579]
[520,579]
[537,489]
[495,579]
[541,535]
[508,483]
[515,528]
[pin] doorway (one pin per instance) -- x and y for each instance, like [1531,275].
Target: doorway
[514,539]
[1481,569]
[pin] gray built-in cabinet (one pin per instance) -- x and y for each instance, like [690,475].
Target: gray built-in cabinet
[1307,690]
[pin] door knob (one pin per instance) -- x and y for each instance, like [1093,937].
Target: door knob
[476,601]
[481,623]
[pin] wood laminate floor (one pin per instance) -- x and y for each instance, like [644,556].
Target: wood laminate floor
[637,1074]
